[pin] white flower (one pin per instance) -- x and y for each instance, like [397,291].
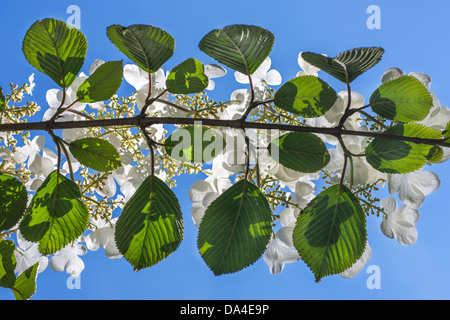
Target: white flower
[27,255]
[108,189]
[54,99]
[70,135]
[304,191]
[280,249]
[5,153]
[399,223]
[413,187]
[103,236]
[139,79]
[334,115]
[394,73]
[68,258]
[237,106]
[39,165]
[307,68]
[203,192]
[29,150]
[438,117]
[126,157]
[391,74]
[363,172]
[358,265]
[260,78]
[213,71]
[261,75]
[129,177]
[30,87]
[43,165]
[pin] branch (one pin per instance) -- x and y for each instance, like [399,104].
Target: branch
[138,121]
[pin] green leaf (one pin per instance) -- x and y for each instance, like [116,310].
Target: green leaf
[235,229]
[56,215]
[446,135]
[307,96]
[403,99]
[198,144]
[56,49]
[437,156]
[300,151]
[330,233]
[150,227]
[396,156]
[241,47]
[187,77]
[7,263]
[13,201]
[25,285]
[102,84]
[348,65]
[149,47]
[95,153]
[2,100]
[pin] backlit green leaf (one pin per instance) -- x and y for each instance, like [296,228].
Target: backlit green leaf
[102,84]
[149,47]
[187,77]
[25,285]
[403,99]
[56,49]
[56,215]
[300,151]
[13,201]
[396,156]
[7,263]
[150,227]
[194,144]
[2,100]
[241,47]
[95,153]
[307,96]
[235,229]
[446,134]
[330,233]
[348,65]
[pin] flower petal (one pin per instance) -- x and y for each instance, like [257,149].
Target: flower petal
[391,74]
[54,98]
[422,77]
[199,189]
[273,78]
[240,77]
[214,71]
[135,76]
[97,63]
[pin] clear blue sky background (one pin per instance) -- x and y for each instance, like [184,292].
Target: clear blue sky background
[415,37]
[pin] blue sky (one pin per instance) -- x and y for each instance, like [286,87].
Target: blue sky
[414,35]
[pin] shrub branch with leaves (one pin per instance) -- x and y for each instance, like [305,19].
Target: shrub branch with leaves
[262,150]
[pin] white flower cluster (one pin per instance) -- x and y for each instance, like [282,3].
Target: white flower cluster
[397,223]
